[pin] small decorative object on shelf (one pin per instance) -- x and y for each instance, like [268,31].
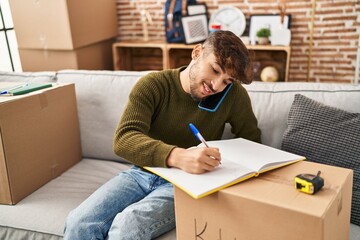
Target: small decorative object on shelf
[195,28]
[281,34]
[271,21]
[215,27]
[263,35]
[269,74]
[145,19]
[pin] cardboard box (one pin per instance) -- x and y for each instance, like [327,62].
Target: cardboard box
[39,139]
[97,56]
[63,24]
[269,207]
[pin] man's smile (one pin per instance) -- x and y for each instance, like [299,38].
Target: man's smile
[207,90]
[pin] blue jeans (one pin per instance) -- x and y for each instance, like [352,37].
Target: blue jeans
[133,205]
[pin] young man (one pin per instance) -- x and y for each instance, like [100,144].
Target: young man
[154,131]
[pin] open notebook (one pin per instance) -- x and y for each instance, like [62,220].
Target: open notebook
[241,160]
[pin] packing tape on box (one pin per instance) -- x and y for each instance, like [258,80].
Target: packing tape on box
[43,41]
[54,172]
[271,177]
[43,101]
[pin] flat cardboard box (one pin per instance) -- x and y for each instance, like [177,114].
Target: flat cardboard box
[97,56]
[269,207]
[63,24]
[39,139]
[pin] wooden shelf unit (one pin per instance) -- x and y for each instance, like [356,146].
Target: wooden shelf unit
[139,56]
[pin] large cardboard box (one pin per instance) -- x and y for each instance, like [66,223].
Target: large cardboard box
[269,207]
[97,56]
[63,24]
[39,139]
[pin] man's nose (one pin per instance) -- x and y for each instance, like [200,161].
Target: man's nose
[217,85]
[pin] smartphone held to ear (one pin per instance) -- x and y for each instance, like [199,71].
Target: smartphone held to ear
[213,102]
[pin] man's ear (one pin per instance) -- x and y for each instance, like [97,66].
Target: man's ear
[196,51]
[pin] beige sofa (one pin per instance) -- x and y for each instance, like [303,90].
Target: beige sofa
[101,98]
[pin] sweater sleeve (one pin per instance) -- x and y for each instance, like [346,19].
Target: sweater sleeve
[131,140]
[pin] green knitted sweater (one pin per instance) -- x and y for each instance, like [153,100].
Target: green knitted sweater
[157,116]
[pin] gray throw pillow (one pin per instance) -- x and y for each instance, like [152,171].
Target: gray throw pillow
[326,135]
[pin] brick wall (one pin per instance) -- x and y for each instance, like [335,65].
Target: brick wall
[335,36]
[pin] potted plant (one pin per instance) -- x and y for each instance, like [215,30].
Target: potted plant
[263,35]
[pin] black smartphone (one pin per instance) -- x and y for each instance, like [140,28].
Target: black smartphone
[213,102]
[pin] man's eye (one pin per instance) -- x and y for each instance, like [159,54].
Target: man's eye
[215,71]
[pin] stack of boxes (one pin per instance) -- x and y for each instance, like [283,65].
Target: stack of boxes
[65,34]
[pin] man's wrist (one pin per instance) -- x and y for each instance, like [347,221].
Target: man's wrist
[171,161]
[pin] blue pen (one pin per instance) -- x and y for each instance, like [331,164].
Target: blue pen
[197,134]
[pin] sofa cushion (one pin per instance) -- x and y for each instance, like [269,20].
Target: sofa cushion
[326,135]
[272,101]
[42,214]
[101,98]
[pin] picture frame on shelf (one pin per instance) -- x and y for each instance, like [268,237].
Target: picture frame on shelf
[195,28]
[199,8]
[271,21]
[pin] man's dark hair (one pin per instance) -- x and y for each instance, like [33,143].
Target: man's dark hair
[231,54]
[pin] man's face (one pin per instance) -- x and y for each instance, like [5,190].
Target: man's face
[207,77]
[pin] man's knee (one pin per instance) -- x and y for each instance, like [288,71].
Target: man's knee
[139,224]
[128,216]
[77,227]
[128,225]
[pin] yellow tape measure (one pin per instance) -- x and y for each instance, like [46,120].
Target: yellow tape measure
[309,183]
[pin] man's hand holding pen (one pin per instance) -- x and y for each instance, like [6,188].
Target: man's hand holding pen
[196,159]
